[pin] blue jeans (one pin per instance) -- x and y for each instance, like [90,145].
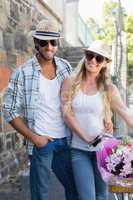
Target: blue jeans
[55,155]
[88,180]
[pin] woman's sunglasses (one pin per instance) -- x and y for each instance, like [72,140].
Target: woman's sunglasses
[99,58]
[44,43]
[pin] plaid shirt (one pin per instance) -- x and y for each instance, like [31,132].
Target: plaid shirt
[23,89]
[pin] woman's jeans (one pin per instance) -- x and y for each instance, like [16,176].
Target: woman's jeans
[55,155]
[89,183]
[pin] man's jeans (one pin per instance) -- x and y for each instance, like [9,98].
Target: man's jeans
[90,185]
[55,155]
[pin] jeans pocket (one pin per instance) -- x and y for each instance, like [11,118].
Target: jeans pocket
[45,149]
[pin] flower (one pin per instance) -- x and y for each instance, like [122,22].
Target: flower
[118,161]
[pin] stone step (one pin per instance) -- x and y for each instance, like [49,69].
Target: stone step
[74,58]
[74,64]
[73,52]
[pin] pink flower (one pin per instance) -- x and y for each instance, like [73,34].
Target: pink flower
[108,145]
[130,145]
[116,158]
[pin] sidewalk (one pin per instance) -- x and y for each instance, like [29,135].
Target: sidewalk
[17,188]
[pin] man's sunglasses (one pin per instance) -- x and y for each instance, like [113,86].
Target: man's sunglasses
[99,58]
[44,43]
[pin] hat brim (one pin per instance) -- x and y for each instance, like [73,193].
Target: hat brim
[92,50]
[41,37]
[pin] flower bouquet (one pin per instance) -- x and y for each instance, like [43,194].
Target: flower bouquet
[115,161]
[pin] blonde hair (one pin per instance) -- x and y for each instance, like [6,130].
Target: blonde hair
[103,82]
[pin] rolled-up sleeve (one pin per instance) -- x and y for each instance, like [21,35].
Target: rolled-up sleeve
[13,97]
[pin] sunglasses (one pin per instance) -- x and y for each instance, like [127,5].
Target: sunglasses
[99,58]
[44,43]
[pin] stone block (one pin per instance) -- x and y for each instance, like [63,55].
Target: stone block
[1,144]
[21,155]
[14,10]
[8,145]
[7,127]
[13,167]
[4,172]
[4,155]
[8,41]
[3,56]
[11,60]
[3,17]
[5,73]
[13,141]
[20,59]
[1,39]
[20,41]
[1,164]
[8,136]
[0,122]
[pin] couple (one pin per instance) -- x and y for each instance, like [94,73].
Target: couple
[36,94]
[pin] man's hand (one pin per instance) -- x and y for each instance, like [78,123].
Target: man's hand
[108,127]
[38,140]
[41,141]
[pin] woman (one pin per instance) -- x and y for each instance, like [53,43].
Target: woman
[86,100]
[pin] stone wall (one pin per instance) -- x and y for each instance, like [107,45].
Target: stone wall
[12,151]
[17,19]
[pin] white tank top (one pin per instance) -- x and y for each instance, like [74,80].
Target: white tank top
[48,116]
[88,110]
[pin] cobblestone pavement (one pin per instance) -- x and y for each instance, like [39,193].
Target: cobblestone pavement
[17,188]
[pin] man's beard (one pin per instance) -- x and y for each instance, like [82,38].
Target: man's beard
[46,57]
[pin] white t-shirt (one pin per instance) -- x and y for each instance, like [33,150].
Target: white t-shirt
[48,116]
[88,110]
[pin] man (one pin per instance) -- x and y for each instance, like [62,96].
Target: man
[32,107]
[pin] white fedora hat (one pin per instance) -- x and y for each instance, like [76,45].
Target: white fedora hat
[100,47]
[47,29]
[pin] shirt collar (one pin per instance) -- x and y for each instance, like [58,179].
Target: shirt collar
[57,63]
[36,63]
[38,67]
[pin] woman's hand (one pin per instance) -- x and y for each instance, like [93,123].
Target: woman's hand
[95,141]
[108,126]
